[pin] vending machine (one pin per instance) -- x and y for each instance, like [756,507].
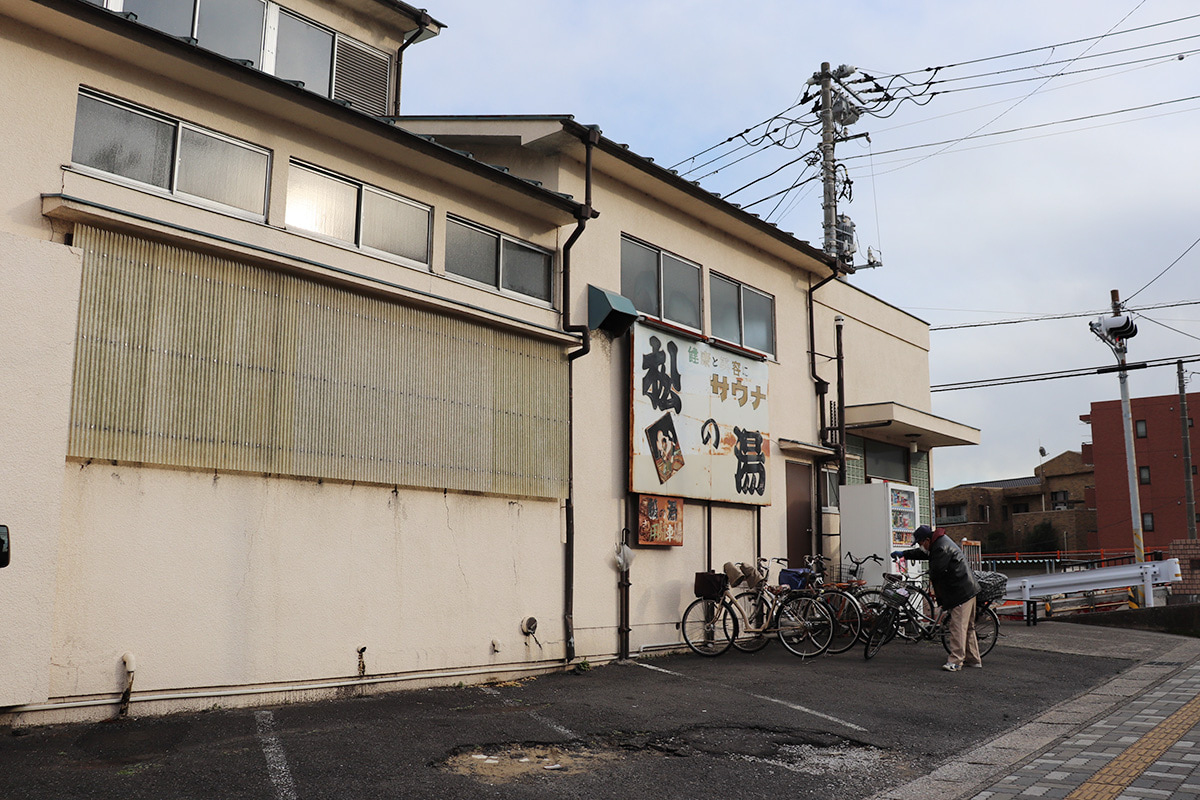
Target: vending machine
[879,518]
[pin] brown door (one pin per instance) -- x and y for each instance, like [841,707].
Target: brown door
[799,513]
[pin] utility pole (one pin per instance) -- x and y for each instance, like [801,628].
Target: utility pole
[1115,331]
[828,165]
[1189,494]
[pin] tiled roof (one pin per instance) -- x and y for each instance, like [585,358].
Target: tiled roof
[1006,483]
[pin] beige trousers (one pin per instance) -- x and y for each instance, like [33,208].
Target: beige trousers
[964,648]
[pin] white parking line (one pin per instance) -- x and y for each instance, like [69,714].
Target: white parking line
[277,767]
[549,723]
[775,700]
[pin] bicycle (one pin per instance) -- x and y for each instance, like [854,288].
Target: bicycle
[870,600]
[908,613]
[714,622]
[843,606]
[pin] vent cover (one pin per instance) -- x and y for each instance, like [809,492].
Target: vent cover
[361,75]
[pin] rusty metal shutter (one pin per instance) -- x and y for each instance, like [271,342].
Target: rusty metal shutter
[191,360]
[362,76]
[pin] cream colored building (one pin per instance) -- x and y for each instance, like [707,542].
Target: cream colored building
[300,397]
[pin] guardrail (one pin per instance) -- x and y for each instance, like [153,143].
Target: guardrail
[1145,574]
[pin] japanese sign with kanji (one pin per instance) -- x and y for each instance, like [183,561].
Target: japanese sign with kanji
[700,421]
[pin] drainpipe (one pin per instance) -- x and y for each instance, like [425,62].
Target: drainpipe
[838,322]
[822,387]
[590,139]
[423,23]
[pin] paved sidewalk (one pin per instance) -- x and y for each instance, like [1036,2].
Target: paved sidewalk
[1133,737]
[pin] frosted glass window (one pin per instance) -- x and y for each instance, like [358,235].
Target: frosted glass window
[681,291]
[395,226]
[233,28]
[725,311]
[758,316]
[220,170]
[123,142]
[170,16]
[526,270]
[322,204]
[741,315]
[472,253]
[639,276]
[304,52]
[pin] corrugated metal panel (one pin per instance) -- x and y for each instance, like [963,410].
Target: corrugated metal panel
[190,360]
[361,76]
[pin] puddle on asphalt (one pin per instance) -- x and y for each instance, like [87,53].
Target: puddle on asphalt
[509,762]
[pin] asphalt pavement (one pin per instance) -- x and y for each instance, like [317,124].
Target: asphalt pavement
[1059,710]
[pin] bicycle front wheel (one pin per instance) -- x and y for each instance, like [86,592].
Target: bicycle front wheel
[881,632]
[987,630]
[709,626]
[754,609]
[915,615]
[805,626]
[847,619]
[872,605]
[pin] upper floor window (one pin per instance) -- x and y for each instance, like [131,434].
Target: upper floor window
[1139,428]
[489,257]
[358,213]
[1144,475]
[659,284]
[276,41]
[742,315]
[156,150]
[1148,522]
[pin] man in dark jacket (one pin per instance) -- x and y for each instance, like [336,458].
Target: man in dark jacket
[954,588]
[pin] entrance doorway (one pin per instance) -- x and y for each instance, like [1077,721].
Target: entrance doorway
[799,513]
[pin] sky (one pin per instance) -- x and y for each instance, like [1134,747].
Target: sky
[1015,213]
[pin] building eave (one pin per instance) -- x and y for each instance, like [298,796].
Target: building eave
[898,424]
[545,132]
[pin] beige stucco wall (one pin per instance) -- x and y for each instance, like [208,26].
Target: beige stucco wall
[225,579]
[39,291]
[886,349]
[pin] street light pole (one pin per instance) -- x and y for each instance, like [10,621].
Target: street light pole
[1114,331]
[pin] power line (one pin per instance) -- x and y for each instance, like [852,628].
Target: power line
[1045,47]
[985,383]
[1034,91]
[1164,272]
[1045,317]
[1029,127]
[1168,327]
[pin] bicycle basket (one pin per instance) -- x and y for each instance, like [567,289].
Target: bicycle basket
[711,585]
[992,585]
[798,578]
[894,595]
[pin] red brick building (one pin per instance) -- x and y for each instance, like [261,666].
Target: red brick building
[1158,449]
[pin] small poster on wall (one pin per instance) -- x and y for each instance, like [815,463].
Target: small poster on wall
[660,520]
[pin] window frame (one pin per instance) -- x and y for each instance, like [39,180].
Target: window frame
[172,190]
[660,313]
[1144,476]
[361,187]
[1140,429]
[269,46]
[501,239]
[1148,521]
[742,289]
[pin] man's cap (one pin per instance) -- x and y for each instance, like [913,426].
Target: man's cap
[922,533]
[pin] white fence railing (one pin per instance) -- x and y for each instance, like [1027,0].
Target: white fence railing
[1145,574]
